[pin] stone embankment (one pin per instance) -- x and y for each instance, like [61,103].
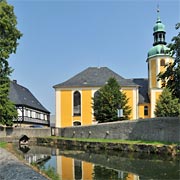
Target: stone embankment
[13,169]
[127,147]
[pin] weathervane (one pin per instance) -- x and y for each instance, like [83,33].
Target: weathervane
[158,10]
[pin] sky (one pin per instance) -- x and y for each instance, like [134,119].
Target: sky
[64,37]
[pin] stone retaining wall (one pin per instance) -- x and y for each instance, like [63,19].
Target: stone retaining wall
[154,129]
[127,147]
[30,132]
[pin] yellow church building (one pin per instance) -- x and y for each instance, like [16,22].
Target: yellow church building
[74,96]
[69,168]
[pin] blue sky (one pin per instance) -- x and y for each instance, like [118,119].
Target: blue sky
[63,37]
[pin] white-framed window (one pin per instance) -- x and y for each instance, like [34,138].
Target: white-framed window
[76,103]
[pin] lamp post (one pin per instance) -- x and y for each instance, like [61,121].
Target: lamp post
[119,112]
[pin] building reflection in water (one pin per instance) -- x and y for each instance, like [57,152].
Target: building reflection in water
[73,169]
[32,155]
[86,165]
[36,158]
[70,168]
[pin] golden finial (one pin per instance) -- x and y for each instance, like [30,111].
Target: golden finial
[158,10]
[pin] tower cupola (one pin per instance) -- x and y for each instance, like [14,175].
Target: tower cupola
[159,26]
[159,45]
[159,32]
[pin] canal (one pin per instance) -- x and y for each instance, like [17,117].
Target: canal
[75,164]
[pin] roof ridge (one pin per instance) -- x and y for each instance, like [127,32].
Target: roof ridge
[94,77]
[23,96]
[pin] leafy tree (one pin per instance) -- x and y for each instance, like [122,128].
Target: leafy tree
[107,100]
[9,36]
[172,74]
[167,106]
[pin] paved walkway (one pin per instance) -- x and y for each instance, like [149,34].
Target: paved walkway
[13,169]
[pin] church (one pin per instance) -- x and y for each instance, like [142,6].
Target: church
[74,96]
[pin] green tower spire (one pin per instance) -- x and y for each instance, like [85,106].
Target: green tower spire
[159,45]
[159,31]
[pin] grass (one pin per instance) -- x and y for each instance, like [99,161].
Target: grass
[3,144]
[116,141]
[50,172]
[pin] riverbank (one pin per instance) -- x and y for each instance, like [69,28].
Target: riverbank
[150,147]
[110,144]
[12,168]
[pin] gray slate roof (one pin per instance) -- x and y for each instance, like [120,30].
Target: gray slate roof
[21,96]
[143,90]
[94,77]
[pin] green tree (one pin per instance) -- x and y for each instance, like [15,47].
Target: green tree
[107,100]
[172,74]
[9,36]
[167,105]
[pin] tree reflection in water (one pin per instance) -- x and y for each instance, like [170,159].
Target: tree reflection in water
[76,164]
[101,172]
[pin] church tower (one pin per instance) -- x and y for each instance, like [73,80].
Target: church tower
[158,57]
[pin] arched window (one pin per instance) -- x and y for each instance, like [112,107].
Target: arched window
[160,37]
[77,103]
[76,123]
[162,62]
[156,38]
[163,83]
[145,110]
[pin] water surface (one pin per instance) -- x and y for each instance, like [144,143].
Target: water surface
[73,164]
